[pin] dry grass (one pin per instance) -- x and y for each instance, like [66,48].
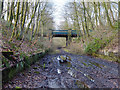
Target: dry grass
[59,42]
[103,34]
[75,48]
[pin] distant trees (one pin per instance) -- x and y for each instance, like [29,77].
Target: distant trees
[86,16]
[34,18]
[28,18]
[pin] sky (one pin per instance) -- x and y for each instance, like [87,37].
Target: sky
[58,4]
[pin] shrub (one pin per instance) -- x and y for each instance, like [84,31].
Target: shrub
[94,46]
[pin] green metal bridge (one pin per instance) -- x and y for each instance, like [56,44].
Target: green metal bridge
[63,33]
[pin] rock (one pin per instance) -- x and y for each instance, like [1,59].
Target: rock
[59,71]
[60,59]
[63,57]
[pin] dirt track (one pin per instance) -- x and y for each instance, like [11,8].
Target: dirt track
[80,72]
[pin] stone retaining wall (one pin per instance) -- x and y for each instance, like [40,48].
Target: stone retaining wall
[9,73]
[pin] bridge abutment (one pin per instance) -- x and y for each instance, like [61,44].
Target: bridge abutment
[68,40]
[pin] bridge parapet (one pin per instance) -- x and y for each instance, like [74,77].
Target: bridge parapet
[64,33]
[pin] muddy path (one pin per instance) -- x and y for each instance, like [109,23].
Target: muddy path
[78,72]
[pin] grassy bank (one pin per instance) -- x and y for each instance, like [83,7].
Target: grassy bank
[102,43]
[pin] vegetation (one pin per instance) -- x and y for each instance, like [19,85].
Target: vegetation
[20,32]
[25,32]
[25,17]
[96,22]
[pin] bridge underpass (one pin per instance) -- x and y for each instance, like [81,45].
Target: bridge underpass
[68,34]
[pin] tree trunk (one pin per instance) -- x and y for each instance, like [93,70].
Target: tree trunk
[35,8]
[42,28]
[36,26]
[32,29]
[109,7]
[83,26]
[90,17]
[76,15]
[14,33]
[38,29]
[108,18]
[99,14]
[21,20]
[85,20]
[24,18]
[41,19]
[1,8]
[10,12]
[95,11]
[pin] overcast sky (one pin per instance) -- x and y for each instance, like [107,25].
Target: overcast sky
[58,4]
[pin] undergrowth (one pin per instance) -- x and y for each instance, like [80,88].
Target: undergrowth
[95,45]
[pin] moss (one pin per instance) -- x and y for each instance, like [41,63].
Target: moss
[84,64]
[66,50]
[90,65]
[96,64]
[9,73]
[44,65]
[5,61]
[110,58]
[37,72]
[34,67]
[81,84]
[63,58]
[69,58]
[12,73]
[40,65]
[69,64]
[18,87]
